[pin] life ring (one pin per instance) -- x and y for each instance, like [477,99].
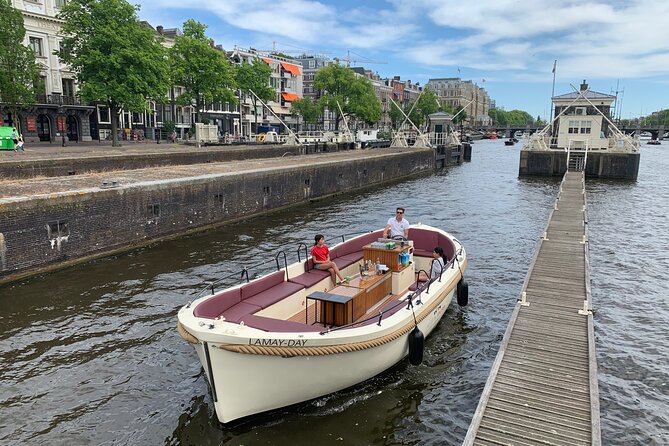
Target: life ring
[463,293]
[261,137]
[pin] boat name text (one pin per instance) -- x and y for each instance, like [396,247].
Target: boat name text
[278,342]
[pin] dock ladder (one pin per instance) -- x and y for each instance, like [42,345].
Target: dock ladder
[576,157]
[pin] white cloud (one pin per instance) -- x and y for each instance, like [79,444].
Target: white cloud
[590,38]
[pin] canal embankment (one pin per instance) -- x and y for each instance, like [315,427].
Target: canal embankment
[52,162]
[619,165]
[51,222]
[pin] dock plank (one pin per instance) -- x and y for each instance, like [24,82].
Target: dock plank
[542,389]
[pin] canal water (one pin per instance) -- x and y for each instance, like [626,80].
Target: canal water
[90,354]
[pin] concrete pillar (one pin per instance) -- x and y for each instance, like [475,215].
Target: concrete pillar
[660,135]
[508,131]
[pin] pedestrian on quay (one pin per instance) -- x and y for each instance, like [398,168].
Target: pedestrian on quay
[20,144]
[15,137]
[397,226]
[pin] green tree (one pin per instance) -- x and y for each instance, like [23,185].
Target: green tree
[202,70]
[19,73]
[117,60]
[498,116]
[254,77]
[355,95]
[460,117]
[306,109]
[427,103]
[519,118]
[396,116]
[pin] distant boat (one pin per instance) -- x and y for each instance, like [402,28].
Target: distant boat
[654,142]
[645,135]
[509,142]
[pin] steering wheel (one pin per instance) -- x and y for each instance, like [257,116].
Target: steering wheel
[399,237]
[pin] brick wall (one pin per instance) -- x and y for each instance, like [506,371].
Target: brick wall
[38,234]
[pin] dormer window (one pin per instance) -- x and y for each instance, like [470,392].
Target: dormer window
[581,111]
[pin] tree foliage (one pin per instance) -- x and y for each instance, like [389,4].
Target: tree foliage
[254,77]
[19,73]
[514,117]
[658,118]
[460,115]
[117,60]
[306,109]
[202,70]
[340,87]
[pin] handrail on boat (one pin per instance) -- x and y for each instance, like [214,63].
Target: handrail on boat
[285,261]
[244,272]
[306,256]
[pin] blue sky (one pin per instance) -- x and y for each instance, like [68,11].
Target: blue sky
[506,46]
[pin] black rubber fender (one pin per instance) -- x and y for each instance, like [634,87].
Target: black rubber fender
[463,293]
[416,346]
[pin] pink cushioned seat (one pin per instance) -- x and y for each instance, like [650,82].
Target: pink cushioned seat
[264,283]
[277,325]
[273,295]
[239,311]
[217,304]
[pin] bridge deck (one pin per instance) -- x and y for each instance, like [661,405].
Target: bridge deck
[542,388]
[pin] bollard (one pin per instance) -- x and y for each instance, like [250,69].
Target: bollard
[523,299]
[584,311]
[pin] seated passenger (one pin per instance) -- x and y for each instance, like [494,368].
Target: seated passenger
[437,265]
[320,254]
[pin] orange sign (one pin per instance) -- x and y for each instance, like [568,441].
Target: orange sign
[60,123]
[31,123]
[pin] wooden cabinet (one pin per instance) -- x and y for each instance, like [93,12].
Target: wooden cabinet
[388,257]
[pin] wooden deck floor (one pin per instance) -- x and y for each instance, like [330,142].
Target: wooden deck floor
[542,388]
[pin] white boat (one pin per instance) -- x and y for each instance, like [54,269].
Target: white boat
[265,344]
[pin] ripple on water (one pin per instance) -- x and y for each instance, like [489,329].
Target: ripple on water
[89,355]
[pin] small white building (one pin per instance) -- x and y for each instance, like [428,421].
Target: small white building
[581,125]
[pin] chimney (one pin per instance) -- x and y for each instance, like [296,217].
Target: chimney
[584,86]
[159,28]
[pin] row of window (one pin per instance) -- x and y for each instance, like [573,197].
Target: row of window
[580,127]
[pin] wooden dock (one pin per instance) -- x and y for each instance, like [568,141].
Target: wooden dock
[542,388]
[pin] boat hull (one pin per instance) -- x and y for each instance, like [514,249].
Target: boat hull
[247,384]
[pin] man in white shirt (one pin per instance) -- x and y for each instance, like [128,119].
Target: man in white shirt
[397,225]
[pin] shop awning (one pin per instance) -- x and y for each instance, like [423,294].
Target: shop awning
[289,97]
[293,69]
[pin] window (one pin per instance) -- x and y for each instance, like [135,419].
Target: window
[581,111]
[103,115]
[137,118]
[60,3]
[573,126]
[586,126]
[36,45]
[312,64]
[68,87]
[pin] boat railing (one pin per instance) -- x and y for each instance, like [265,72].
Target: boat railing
[230,279]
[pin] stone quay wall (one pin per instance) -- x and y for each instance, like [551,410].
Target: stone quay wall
[74,165]
[598,165]
[51,231]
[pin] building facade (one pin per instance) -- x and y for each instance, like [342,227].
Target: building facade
[310,66]
[286,79]
[58,111]
[456,92]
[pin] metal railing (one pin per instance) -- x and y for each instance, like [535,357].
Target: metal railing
[57,99]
